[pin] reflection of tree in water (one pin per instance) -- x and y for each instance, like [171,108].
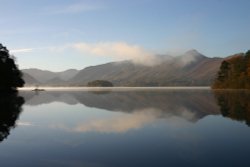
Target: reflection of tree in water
[234,104]
[98,92]
[10,108]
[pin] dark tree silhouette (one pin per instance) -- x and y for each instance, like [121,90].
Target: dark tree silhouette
[10,75]
[234,105]
[223,73]
[10,109]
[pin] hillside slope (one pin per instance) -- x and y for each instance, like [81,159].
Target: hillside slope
[189,69]
[45,77]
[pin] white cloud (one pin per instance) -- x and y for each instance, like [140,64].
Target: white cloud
[23,50]
[118,51]
[19,123]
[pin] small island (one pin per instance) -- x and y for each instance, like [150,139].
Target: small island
[38,90]
[100,83]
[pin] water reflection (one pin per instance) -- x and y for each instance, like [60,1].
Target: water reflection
[234,105]
[129,128]
[10,109]
[134,108]
[115,123]
[197,103]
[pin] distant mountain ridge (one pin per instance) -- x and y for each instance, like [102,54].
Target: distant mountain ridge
[34,76]
[29,80]
[189,69]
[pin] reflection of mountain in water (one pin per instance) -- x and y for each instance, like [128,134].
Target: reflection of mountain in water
[10,108]
[188,104]
[234,104]
[38,98]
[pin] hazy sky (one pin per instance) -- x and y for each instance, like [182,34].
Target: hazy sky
[62,34]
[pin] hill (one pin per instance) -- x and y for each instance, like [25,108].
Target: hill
[234,73]
[49,78]
[29,80]
[190,69]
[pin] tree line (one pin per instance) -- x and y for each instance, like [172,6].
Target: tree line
[234,73]
[10,75]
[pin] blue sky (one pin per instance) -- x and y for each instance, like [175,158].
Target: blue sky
[61,34]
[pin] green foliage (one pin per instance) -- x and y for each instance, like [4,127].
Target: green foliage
[234,73]
[10,75]
[100,83]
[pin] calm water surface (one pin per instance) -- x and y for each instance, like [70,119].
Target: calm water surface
[125,128]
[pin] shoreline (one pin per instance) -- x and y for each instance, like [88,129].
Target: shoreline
[117,88]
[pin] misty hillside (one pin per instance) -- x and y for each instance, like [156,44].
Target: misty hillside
[189,69]
[29,80]
[45,77]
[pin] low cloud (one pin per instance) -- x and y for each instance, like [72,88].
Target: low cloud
[119,51]
[19,123]
[23,50]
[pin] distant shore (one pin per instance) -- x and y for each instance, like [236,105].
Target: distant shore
[117,88]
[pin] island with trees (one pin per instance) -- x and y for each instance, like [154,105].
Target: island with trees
[234,73]
[100,83]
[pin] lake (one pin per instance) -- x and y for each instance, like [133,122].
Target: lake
[125,128]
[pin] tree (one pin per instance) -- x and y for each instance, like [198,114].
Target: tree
[223,73]
[10,75]
[234,73]
[248,63]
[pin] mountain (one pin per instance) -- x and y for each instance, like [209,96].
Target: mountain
[40,75]
[68,74]
[189,69]
[29,80]
[45,77]
[55,82]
